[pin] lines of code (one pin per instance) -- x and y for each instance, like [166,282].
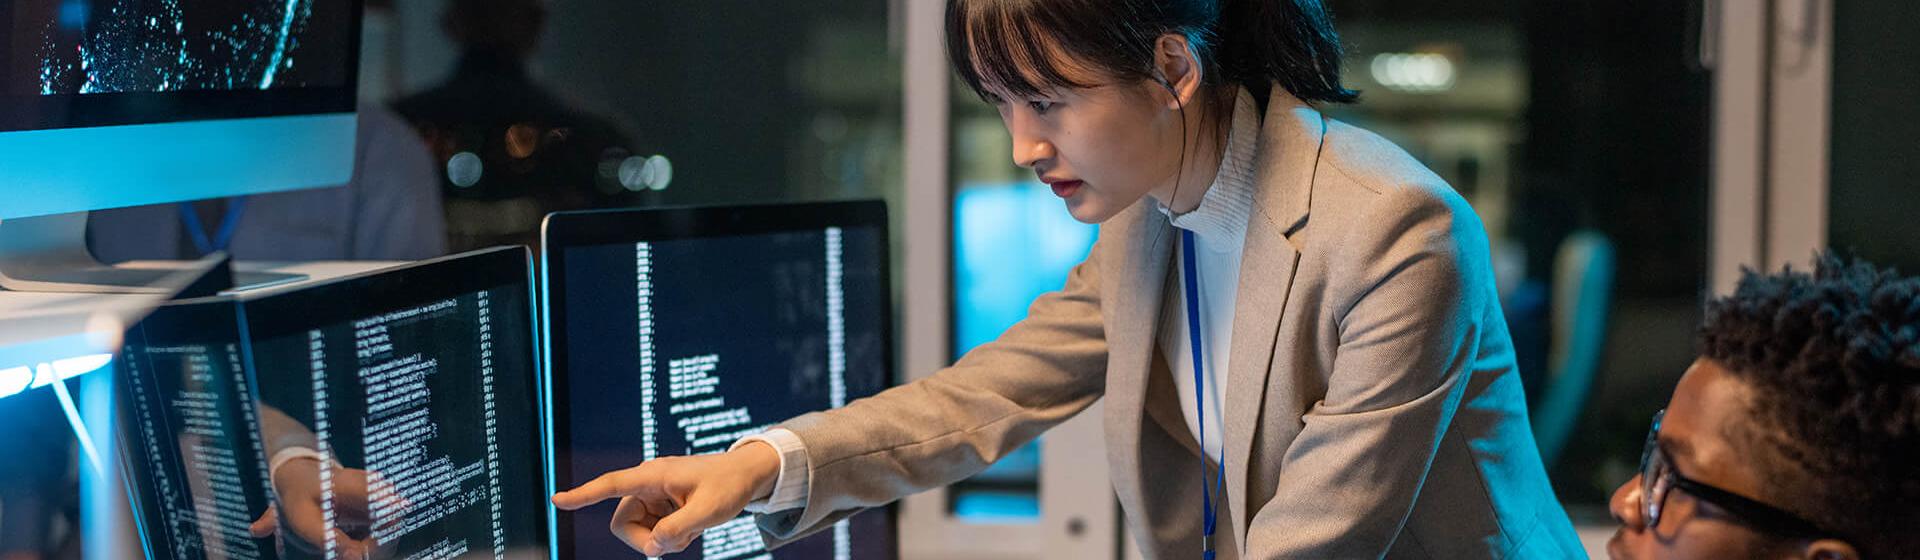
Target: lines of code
[685,346]
[199,446]
[699,412]
[415,389]
[420,414]
[186,420]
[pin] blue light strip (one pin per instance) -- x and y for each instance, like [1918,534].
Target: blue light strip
[107,498]
[79,427]
[139,513]
[45,172]
[540,331]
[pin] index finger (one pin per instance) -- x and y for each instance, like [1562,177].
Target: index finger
[625,482]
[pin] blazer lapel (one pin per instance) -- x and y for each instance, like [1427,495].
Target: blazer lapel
[1137,276]
[1290,140]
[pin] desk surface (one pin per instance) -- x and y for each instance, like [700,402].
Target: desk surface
[38,327]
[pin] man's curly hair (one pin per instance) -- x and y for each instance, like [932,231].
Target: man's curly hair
[1833,357]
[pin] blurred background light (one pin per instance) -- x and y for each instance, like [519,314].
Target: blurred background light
[464,169]
[1413,72]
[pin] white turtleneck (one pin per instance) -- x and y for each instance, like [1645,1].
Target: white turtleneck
[1219,226]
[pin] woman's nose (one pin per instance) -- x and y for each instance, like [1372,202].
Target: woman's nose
[1029,152]
[1626,505]
[1029,148]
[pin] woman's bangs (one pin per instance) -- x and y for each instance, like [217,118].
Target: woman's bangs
[999,47]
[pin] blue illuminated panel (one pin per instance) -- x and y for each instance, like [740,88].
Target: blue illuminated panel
[1012,243]
[58,171]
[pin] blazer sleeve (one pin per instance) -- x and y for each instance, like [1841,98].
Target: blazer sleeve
[1413,319]
[953,424]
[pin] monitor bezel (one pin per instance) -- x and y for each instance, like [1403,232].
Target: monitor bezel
[577,229]
[299,308]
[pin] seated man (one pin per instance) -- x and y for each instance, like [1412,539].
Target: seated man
[1797,432]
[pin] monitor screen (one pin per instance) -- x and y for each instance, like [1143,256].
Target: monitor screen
[115,103]
[419,381]
[68,63]
[678,332]
[194,460]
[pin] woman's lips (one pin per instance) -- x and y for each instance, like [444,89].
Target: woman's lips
[1066,189]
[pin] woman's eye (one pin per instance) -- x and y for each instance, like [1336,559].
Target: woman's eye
[1041,106]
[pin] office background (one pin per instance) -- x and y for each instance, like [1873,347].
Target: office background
[1628,158]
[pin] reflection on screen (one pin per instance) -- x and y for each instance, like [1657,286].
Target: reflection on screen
[683,347]
[197,462]
[435,400]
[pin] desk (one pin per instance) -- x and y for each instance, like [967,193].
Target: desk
[38,328]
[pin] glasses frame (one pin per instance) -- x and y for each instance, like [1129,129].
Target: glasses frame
[1658,479]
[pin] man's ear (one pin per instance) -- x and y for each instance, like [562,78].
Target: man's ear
[1829,549]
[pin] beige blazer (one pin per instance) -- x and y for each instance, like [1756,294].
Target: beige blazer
[1373,408]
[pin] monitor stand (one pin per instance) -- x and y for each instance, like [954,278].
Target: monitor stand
[49,254]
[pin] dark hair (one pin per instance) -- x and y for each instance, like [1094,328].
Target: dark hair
[1834,360]
[1018,44]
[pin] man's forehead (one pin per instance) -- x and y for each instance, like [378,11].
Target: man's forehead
[1709,407]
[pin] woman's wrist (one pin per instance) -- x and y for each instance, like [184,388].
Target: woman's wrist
[762,464]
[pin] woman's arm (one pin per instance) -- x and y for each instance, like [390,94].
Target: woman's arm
[953,424]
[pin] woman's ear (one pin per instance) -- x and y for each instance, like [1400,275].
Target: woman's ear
[1179,69]
[1829,549]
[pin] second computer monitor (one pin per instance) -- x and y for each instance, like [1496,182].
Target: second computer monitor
[191,450]
[417,387]
[679,331]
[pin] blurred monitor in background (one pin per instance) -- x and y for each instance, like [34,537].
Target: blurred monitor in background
[512,150]
[389,210]
[109,104]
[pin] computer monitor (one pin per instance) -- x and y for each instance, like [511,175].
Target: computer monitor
[415,385]
[107,103]
[422,379]
[678,331]
[193,459]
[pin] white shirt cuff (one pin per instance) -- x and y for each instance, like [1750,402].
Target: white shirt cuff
[291,453]
[791,488]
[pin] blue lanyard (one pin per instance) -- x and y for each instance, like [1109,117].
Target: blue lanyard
[1199,400]
[197,231]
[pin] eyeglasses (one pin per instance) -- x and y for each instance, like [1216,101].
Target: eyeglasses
[1658,478]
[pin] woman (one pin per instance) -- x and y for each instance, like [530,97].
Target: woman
[1294,322]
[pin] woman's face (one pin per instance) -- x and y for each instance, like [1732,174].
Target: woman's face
[1101,148]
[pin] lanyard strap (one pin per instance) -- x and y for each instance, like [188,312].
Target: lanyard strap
[1192,285]
[196,231]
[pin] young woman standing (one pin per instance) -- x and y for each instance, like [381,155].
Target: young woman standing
[1293,321]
